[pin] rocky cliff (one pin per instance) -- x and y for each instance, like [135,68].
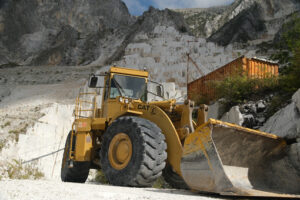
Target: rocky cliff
[242,21]
[206,21]
[47,32]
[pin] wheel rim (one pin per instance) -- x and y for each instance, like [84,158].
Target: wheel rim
[120,151]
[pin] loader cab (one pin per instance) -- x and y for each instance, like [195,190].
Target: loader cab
[120,84]
[130,87]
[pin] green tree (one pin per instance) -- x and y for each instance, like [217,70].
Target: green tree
[290,75]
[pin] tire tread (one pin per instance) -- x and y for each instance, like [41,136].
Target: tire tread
[153,156]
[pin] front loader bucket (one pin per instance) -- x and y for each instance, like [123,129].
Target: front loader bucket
[228,159]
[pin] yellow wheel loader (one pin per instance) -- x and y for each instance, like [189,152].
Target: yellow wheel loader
[134,141]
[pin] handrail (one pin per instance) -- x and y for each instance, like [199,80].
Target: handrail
[79,105]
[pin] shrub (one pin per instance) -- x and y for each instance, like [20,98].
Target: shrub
[7,123]
[237,89]
[14,131]
[100,177]
[2,144]
[16,170]
[199,98]
[17,132]
[161,183]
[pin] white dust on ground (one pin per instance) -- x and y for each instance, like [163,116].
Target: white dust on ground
[54,190]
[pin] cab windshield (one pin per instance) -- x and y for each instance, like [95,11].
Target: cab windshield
[128,86]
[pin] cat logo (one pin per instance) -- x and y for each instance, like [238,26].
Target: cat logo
[147,108]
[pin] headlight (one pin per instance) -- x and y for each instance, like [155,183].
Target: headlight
[121,99]
[126,101]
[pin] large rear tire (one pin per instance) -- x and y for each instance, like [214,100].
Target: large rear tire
[173,179]
[80,170]
[133,152]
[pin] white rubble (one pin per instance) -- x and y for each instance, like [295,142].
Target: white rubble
[233,116]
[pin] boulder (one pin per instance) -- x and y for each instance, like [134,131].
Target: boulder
[255,112]
[296,99]
[261,105]
[249,121]
[169,90]
[294,155]
[215,110]
[152,89]
[233,116]
[249,107]
[284,123]
[261,119]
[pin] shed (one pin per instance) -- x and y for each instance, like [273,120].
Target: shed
[251,67]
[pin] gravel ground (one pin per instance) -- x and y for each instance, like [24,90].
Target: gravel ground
[56,190]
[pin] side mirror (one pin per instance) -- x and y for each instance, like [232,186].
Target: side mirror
[96,81]
[93,81]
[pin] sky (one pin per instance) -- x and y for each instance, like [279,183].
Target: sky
[137,7]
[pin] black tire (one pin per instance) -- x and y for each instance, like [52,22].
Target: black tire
[148,152]
[173,179]
[80,170]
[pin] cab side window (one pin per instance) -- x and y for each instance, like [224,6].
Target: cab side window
[114,92]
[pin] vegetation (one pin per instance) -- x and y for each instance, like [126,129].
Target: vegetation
[100,177]
[17,170]
[237,89]
[290,42]
[288,56]
[6,124]
[199,98]
[17,132]
[161,183]
[2,144]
